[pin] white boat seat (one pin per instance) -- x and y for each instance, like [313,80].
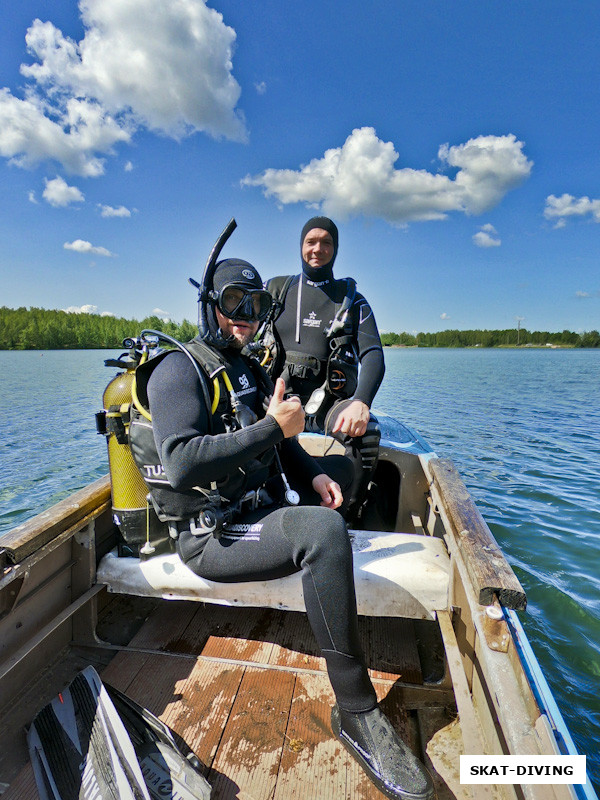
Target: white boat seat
[396,575]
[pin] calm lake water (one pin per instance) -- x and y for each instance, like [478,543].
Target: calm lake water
[522,426]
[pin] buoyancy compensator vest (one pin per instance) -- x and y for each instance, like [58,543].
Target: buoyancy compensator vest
[337,374]
[221,497]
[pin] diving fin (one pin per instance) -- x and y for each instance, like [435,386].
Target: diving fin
[80,749]
[83,748]
[170,768]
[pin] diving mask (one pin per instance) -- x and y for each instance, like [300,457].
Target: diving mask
[240,303]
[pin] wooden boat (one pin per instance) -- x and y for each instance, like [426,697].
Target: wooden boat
[234,670]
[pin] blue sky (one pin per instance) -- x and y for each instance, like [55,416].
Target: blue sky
[455,144]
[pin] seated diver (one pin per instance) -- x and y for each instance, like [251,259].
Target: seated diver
[321,330]
[245,535]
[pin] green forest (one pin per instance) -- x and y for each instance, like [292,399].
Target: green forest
[512,337]
[41,329]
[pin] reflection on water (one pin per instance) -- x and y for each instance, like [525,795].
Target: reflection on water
[48,441]
[523,428]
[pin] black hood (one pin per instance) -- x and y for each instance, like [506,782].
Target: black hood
[231,271]
[326,271]
[238,272]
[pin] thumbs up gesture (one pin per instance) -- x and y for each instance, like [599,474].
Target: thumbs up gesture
[288,414]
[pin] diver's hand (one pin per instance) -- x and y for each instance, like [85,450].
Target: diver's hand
[288,414]
[329,490]
[353,419]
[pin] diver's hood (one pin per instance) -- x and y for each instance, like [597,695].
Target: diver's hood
[326,271]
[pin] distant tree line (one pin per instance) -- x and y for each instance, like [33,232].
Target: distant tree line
[512,337]
[41,329]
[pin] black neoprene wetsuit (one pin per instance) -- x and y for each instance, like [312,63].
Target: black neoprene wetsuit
[269,542]
[311,303]
[310,306]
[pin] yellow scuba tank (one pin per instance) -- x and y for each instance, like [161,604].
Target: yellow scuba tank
[133,514]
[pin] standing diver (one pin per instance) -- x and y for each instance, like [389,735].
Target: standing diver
[320,332]
[210,467]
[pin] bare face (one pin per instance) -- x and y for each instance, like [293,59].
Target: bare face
[243,332]
[317,248]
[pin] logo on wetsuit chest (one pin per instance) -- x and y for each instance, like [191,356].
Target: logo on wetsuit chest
[311,321]
[246,386]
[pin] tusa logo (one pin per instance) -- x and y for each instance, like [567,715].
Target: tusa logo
[244,381]
[154,471]
[247,273]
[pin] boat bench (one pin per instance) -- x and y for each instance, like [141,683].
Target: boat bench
[396,575]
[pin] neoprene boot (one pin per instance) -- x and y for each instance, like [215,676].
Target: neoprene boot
[370,738]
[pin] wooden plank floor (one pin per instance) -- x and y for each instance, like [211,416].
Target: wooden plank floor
[248,692]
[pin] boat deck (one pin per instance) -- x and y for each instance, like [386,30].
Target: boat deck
[248,692]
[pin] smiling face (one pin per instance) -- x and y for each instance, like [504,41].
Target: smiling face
[242,332]
[317,248]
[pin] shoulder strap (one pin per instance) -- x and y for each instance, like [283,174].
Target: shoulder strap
[342,321]
[278,288]
[350,295]
[142,375]
[211,362]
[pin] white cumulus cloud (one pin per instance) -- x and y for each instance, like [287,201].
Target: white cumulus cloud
[59,194]
[85,309]
[71,132]
[487,236]
[81,246]
[164,66]
[565,206]
[164,315]
[109,211]
[360,178]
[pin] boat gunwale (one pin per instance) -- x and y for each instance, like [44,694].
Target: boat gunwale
[72,512]
[40,534]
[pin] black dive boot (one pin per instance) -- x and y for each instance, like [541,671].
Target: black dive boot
[370,738]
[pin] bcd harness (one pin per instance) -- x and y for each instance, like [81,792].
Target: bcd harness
[202,509]
[339,372]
